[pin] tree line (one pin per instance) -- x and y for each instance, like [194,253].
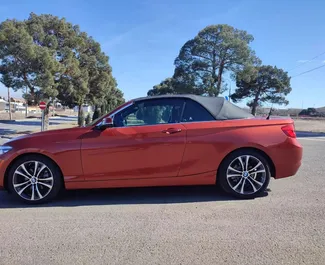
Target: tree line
[220,50]
[51,59]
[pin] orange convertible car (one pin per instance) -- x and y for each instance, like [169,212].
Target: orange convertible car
[155,141]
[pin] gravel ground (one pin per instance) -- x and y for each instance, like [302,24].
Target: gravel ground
[194,225]
[310,125]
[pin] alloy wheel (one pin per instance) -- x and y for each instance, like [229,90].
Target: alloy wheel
[33,180]
[246,174]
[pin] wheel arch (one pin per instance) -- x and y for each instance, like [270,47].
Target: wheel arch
[5,179]
[265,155]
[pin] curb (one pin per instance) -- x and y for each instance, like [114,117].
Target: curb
[6,137]
[7,121]
[13,121]
[309,134]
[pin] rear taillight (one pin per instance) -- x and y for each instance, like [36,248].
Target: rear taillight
[289,130]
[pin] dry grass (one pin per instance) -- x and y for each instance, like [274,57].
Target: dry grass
[309,125]
[15,116]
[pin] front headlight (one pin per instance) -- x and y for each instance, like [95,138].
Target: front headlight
[4,149]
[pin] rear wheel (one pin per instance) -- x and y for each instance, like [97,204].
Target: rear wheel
[34,179]
[244,174]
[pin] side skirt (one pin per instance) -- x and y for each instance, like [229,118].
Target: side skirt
[208,178]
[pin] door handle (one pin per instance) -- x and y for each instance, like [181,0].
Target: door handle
[172,130]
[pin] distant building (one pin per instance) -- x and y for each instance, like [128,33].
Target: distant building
[3,104]
[16,105]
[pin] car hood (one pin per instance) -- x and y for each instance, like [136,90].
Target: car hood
[57,132]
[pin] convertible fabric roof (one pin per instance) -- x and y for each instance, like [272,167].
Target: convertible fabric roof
[219,107]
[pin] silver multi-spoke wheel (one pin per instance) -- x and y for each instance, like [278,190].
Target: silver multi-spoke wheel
[32,180]
[246,174]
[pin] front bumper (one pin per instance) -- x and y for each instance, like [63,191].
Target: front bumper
[3,167]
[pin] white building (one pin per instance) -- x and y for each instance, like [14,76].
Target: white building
[3,104]
[16,105]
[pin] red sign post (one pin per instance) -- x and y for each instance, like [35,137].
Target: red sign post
[42,106]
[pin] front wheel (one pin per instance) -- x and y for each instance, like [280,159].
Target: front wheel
[34,179]
[244,174]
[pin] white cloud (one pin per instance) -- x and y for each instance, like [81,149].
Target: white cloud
[132,32]
[115,40]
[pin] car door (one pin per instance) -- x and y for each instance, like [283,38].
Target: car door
[147,141]
[202,148]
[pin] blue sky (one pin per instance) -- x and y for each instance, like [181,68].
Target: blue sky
[142,38]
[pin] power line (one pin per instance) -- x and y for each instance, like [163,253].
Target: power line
[309,70]
[307,61]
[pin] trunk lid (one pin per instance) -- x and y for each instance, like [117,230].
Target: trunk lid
[262,121]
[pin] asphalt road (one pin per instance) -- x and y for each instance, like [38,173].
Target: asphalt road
[195,225]
[28,125]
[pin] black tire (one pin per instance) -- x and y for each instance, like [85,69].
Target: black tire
[228,186]
[50,172]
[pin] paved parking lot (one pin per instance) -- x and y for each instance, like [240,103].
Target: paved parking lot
[194,225]
[30,125]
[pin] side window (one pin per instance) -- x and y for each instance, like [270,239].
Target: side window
[150,112]
[194,112]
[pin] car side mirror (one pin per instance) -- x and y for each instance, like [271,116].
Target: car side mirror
[105,124]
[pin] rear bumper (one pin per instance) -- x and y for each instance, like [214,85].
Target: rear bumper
[287,158]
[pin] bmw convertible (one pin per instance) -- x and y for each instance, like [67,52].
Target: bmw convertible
[170,140]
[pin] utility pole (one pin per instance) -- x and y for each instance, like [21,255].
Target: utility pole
[10,117]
